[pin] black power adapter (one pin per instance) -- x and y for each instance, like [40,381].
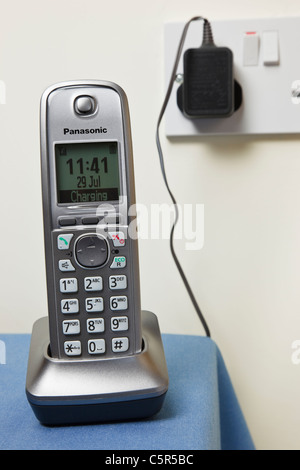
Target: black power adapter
[209,89]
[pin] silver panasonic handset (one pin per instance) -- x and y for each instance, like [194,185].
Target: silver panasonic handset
[88,187]
[97,357]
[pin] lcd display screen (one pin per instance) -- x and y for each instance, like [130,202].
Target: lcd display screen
[87,172]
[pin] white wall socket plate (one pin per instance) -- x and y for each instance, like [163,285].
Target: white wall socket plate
[266,65]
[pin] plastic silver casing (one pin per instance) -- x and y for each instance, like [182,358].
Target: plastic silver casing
[71,392]
[112,114]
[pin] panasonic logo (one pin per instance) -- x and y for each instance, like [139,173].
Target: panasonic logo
[97,130]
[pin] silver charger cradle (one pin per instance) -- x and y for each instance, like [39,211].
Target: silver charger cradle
[63,392]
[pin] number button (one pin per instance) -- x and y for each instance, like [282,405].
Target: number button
[96,346]
[69,306]
[95,304]
[93,283]
[68,285]
[119,303]
[72,348]
[119,323]
[120,344]
[95,325]
[118,282]
[71,327]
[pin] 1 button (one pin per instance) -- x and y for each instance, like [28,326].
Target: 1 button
[68,285]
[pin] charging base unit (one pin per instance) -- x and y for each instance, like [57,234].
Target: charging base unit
[64,392]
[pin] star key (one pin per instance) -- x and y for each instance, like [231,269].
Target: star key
[72,348]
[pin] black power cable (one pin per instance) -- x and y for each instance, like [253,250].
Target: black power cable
[207,38]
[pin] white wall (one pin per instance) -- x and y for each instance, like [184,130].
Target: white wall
[246,276]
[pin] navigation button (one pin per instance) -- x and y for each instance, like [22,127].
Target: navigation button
[91,251]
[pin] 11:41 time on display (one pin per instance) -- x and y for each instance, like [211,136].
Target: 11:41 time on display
[95,167]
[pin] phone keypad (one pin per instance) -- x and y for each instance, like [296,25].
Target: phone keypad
[89,303]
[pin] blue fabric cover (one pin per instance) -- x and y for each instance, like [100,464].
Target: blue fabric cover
[201,410]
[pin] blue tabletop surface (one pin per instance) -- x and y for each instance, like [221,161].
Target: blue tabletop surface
[201,410]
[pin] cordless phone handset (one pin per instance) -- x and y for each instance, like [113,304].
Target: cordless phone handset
[97,357]
[88,187]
